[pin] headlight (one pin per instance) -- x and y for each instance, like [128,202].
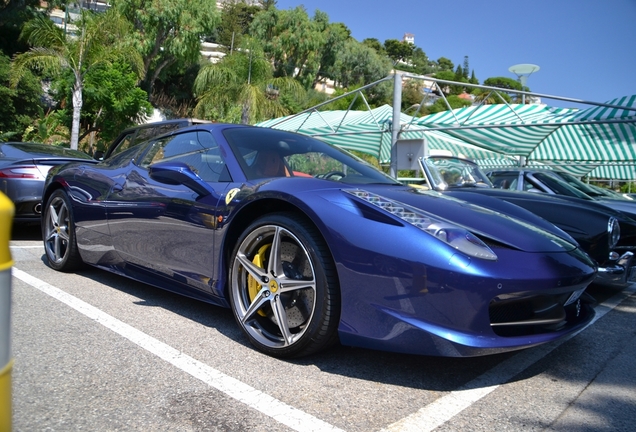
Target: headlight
[614,232]
[455,236]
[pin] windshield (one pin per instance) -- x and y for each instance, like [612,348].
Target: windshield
[558,185]
[443,172]
[609,193]
[574,182]
[264,153]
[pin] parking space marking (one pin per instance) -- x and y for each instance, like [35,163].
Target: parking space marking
[446,407]
[253,398]
[427,418]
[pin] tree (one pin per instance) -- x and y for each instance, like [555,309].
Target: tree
[50,129]
[454,101]
[421,63]
[488,97]
[445,64]
[465,68]
[452,89]
[167,32]
[236,18]
[398,51]
[504,83]
[375,44]
[473,79]
[336,35]
[357,64]
[412,95]
[97,43]
[300,47]
[112,101]
[20,106]
[292,41]
[13,15]
[459,73]
[241,87]
[267,4]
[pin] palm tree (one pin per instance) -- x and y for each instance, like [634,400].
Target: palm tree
[99,41]
[242,86]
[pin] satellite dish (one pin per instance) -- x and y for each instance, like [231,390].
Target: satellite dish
[523,69]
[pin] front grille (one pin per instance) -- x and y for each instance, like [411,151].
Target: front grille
[528,315]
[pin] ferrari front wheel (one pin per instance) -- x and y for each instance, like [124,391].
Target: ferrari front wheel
[58,233]
[283,287]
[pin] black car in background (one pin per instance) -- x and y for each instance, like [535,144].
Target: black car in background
[607,235]
[23,168]
[555,182]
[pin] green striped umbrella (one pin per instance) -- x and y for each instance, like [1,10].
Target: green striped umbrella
[542,133]
[580,141]
[369,132]
[353,130]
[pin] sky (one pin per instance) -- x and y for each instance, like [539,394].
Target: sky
[585,49]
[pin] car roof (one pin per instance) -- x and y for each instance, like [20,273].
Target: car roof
[156,129]
[186,121]
[20,150]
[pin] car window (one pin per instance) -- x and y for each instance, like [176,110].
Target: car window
[504,180]
[558,186]
[446,172]
[529,187]
[124,157]
[144,134]
[257,151]
[125,143]
[197,149]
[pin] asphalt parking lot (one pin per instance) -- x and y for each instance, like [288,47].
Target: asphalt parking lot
[95,351]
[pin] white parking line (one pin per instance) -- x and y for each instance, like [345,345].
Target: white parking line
[279,411]
[443,409]
[427,418]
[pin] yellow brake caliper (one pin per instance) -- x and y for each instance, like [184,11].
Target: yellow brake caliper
[253,286]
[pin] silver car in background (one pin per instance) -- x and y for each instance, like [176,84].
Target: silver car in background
[23,168]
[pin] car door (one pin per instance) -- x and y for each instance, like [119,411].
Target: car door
[168,229]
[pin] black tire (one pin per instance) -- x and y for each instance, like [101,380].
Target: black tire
[58,233]
[297,287]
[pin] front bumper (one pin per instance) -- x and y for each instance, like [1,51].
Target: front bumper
[621,272]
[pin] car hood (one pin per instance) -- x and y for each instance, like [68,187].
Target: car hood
[627,207]
[557,200]
[495,226]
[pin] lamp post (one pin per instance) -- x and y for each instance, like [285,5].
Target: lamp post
[523,71]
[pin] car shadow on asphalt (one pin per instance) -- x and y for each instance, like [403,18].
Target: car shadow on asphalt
[413,371]
[21,231]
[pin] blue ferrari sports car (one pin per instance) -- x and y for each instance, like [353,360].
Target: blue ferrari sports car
[309,245]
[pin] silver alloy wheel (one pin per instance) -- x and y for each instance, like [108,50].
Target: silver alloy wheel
[56,230]
[274,286]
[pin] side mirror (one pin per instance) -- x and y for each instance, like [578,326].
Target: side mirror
[176,173]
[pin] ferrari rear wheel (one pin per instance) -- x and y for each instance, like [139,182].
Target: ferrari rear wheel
[283,287]
[58,232]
